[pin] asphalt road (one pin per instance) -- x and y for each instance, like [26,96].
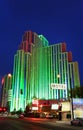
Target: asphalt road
[18,124]
[30,124]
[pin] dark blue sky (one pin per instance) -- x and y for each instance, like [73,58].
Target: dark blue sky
[57,20]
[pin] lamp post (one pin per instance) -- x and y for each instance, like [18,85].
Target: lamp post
[71,95]
[60,106]
[58,76]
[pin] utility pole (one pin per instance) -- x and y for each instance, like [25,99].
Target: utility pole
[72,113]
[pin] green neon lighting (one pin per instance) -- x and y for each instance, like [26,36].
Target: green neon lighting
[34,72]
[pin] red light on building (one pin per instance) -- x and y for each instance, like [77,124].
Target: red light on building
[1,109]
[2,81]
[69,56]
[63,47]
[4,109]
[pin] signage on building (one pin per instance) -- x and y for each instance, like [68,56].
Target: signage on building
[35,101]
[54,106]
[66,106]
[58,86]
[34,108]
[78,107]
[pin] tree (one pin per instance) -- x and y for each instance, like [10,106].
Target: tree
[81,91]
[19,111]
[76,92]
[27,109]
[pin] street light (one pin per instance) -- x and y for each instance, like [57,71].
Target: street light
[58,76]
[60,106]
[9,75]
[71,96]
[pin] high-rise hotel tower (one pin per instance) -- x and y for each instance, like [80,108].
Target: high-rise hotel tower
[38,65]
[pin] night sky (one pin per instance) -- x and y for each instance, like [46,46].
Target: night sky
[57,20]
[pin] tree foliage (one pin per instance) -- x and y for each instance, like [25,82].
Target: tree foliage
[77,92]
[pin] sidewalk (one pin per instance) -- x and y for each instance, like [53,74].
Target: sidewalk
[59,123]
[63,122]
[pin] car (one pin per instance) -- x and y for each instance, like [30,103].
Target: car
[77,121]
[49,116]
[14,116]
[21,116]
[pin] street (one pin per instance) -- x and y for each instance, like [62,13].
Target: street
[18,124]
[33,124]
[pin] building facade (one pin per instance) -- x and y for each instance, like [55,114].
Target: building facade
[6,96]
[38,65]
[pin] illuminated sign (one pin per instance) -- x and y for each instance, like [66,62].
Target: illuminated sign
[54,106]
[66,106]
[78,107]
[58,86]
[34,108]
[34,101]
